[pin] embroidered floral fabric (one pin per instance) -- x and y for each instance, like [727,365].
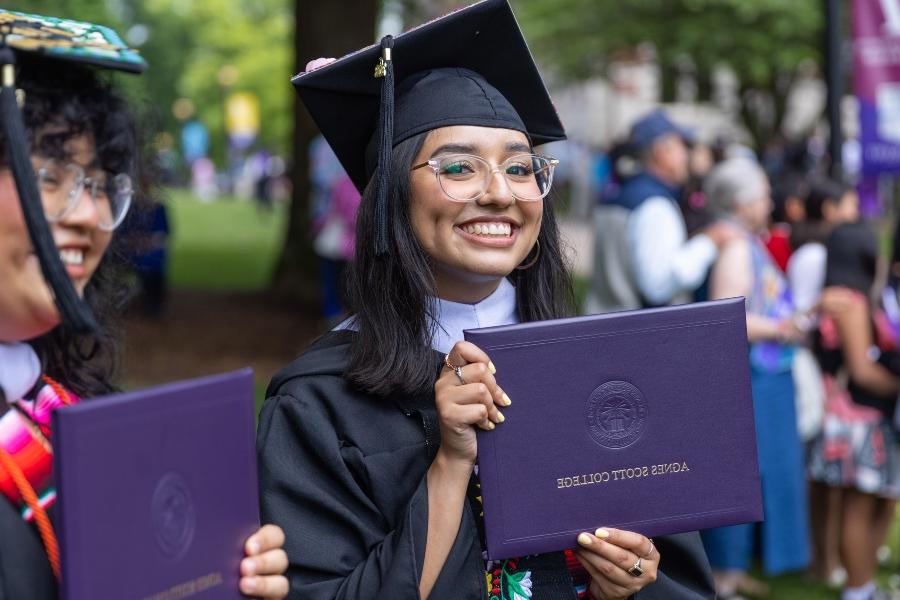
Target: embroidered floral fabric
[68,39]
[504,579]
[524,578]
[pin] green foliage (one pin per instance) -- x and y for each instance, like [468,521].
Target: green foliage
[758,38]
[189,41]
[762,41]
[83,10]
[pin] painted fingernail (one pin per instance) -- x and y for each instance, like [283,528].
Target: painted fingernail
[492,368]
[500,417]
[248,566]
[490,425]
[584,539]
[506,400]
[602,534]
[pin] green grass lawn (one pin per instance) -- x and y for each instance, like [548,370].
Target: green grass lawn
[227,245]
[797,587]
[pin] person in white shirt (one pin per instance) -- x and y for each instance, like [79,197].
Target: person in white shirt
[828,204]
[643,256]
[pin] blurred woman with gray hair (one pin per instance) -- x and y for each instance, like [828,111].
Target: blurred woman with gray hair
[738,191]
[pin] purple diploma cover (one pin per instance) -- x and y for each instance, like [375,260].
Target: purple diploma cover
[637,420]
[157,490]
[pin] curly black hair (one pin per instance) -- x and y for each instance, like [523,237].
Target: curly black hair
[62,102]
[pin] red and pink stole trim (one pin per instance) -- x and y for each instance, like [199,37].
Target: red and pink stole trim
[25,435]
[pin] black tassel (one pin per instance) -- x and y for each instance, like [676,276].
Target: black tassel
[73,310]
[384,69]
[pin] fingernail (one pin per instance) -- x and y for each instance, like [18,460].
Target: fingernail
[249,584]
[584,539]
[249,566]
[492,368]
[254,547]
[500,417]
[506,400]
[602,534]
[490,425]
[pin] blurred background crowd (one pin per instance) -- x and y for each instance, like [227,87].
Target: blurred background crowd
[717,148]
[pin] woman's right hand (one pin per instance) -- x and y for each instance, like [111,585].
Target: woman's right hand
[790,333]
[472,401]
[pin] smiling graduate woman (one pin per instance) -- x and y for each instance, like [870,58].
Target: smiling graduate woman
[72,146]
[367,441]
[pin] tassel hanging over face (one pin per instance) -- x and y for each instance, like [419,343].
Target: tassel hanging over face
[73,310]
[384,70]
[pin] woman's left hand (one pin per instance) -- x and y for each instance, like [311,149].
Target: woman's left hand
[609,554]
[262,572]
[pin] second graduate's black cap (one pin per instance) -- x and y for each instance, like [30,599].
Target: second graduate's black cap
[471,67]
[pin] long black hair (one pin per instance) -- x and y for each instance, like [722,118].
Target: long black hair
[392,297]
[852,257]
[814,228]
[62,102]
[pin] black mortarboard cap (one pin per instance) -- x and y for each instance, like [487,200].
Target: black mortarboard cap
[471,67]
[59,39]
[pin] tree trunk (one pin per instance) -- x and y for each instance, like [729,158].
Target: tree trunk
[704,84]
[782,84]
[668,79]
[321,29]
[749,111]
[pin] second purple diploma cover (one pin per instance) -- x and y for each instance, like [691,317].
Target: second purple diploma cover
[638,420]
[157,491]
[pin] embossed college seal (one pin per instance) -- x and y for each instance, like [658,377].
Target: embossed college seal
[172,516]
[616,414]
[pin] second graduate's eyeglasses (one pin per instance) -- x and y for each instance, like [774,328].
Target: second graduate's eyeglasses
[62,186]
[466,177]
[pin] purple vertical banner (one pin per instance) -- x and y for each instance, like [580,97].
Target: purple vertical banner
[876,82]
[869,188]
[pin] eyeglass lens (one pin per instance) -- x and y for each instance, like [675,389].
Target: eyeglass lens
[466,177]
[62,186]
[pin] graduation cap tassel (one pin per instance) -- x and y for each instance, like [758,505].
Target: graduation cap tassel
[385,70]
[73,310]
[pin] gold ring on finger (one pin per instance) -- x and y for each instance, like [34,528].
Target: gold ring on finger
[636,570]
[449,365]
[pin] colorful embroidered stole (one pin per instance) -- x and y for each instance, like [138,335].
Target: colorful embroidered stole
[26,459]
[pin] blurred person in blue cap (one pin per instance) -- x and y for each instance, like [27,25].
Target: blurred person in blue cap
[643,257]
[70,168]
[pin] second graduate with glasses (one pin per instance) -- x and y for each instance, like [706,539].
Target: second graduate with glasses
[68,155]
[367,445]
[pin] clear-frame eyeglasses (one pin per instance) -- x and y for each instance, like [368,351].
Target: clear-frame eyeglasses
[62,185]
[467,177]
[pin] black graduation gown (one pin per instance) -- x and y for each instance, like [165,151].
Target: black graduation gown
[343,473]
[25,572]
